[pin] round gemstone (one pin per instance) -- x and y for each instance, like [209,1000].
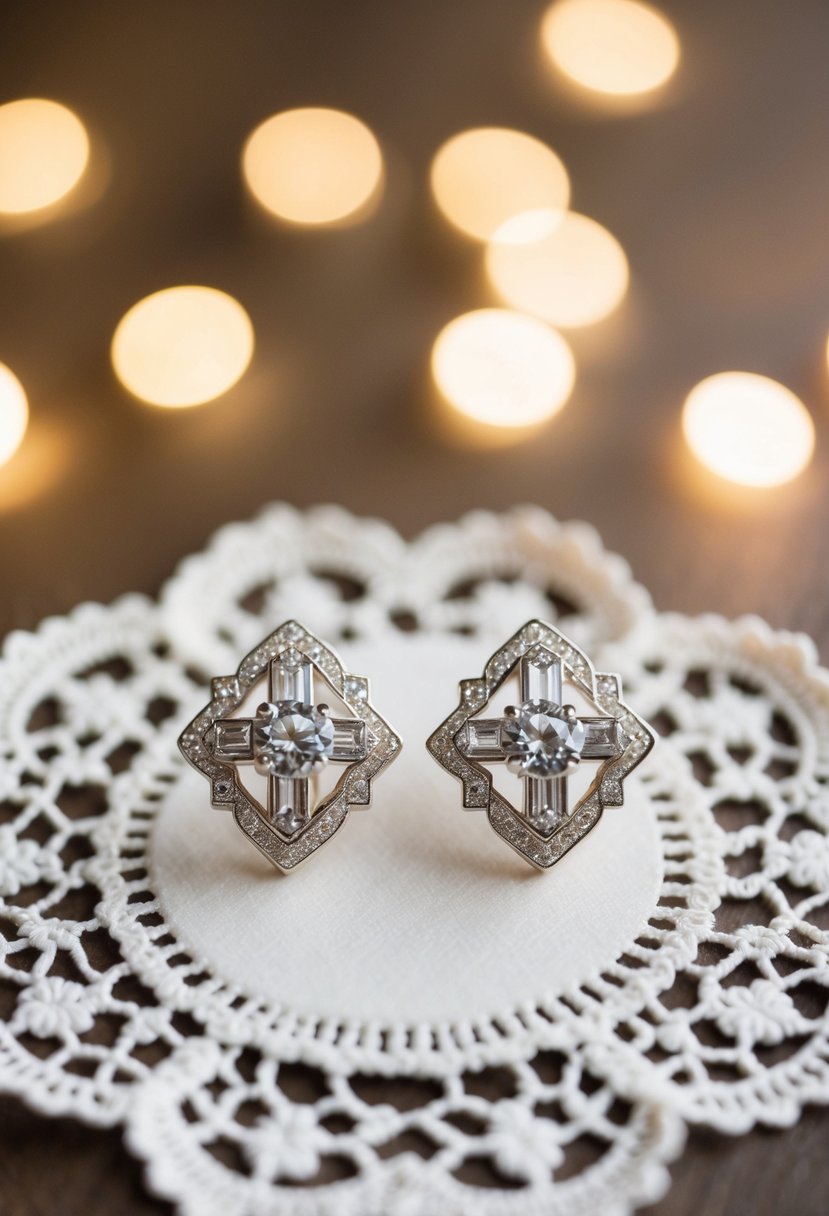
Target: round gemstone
[291,739]
[542,739]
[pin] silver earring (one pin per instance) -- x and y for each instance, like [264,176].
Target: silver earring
[289,741]
[543,741]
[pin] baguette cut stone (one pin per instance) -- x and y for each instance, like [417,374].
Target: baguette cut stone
[291,739]
[542,739]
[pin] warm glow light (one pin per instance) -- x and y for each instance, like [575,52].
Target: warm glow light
[44,150]
[503,368]
[312,166]
[573,276]
[748,429]
[483,178]
[14,413]
[182,346]
[613,46]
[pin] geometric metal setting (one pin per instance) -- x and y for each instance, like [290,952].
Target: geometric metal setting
[289,740]
[542,741]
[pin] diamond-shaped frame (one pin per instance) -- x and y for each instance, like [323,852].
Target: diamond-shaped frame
[354,785]
[603,689]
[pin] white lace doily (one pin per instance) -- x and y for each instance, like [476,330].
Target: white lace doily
[414,1023]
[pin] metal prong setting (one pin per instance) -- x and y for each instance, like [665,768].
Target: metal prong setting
[542,740]
[289,740]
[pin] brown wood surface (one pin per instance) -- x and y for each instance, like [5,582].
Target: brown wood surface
[720,195]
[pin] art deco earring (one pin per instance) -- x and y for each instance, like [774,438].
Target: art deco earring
[543,741]
[268,768]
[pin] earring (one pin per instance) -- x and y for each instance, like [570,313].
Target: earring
[287,744]
[543,741]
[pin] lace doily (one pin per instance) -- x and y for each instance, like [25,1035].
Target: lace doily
[558,1073]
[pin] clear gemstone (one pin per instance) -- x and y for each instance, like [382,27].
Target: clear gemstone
[291,739]
[290,659]
[288,820]
[542,739]
[546,820]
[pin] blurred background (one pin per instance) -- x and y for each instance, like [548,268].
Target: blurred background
[715,184]
[356,179]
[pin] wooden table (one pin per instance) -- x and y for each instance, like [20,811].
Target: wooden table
[719,194]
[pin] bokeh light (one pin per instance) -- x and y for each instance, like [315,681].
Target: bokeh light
[748,429]
[488,176]
[44,151]
[620,47]
[14,413]
[313,166]
[503,368]
[575,275]
[182,346]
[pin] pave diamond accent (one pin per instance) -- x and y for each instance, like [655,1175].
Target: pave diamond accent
[542,739]
[291,739]
[288,740]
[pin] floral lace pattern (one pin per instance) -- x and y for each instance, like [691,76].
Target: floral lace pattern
[740,1035]
[715,1012]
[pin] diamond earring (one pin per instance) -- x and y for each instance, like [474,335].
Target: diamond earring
[288,743]
[543,741]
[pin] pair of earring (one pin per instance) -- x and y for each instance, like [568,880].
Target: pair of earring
[291,738]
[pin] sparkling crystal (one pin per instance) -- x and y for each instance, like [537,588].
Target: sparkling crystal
[542,739]
[546,820]
[288,820]
[291,739]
